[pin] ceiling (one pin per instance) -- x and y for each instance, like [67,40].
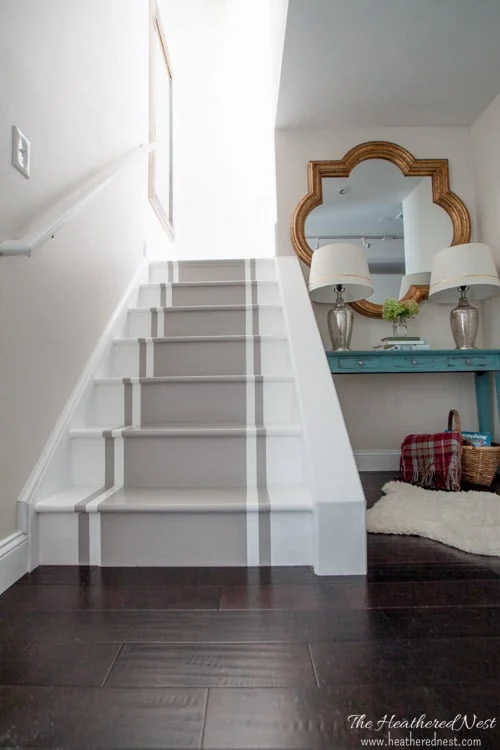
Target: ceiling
[356,63]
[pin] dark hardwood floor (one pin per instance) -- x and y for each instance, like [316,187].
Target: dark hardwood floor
[259,658]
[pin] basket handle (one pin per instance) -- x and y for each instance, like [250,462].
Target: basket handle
[454,421]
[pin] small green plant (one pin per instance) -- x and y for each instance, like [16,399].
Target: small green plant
[393,308]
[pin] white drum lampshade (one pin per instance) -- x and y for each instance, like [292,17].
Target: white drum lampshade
[339,273]
[341,264]
[464,271]
[414,279]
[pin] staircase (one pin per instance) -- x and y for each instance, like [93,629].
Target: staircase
[189,449]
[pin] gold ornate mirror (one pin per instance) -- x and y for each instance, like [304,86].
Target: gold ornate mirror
[397,206]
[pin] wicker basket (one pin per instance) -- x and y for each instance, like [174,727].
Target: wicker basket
[479,465]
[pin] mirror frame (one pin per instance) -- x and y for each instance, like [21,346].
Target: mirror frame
[437,169]
[163,212]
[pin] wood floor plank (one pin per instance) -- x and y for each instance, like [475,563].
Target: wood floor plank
[475,593]
[304,718]
[342,625]
[213,665]
[261,576]
[445,622]
[61,717]
[69,664]
[114,626]
[385,549]
[284,596]
[404,662]
[45,598]
[390,571]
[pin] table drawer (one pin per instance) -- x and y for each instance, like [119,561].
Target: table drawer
[415,363]
[470,361]
[357,364]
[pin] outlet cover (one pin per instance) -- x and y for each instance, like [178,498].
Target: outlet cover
[21,152]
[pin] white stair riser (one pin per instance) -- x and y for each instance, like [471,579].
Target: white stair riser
[285,459]
[150,295]
[177,539]
[202,271]
[183,461]
[197,403]
[58,538]
[203,322]
[201,358]
[88,461]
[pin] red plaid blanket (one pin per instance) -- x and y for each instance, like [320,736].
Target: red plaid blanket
[433,461]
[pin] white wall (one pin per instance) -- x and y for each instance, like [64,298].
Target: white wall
[486,146]
[224,192]
[486,149]
[74,78]
[380,410]
[278,10]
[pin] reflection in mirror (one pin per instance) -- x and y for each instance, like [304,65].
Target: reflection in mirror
[392,216]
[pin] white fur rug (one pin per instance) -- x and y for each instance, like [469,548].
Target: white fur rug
[469,521]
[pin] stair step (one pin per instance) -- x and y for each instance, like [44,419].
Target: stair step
[177,526]
[193,400]
[188,456]
[199,355]
[279,498]
[217,270]
[208,293]
[204,320]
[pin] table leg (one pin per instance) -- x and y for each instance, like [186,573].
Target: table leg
[483,401]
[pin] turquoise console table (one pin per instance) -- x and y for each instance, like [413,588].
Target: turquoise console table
[479,361]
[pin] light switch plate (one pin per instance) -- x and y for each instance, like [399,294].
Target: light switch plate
[21,152]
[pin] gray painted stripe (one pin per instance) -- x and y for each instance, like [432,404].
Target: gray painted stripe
[255,322]
[142,358]
[127,402]
[83,539]
[82,505]
[154,322]
[264,526]
[259,402]
[84,527]
[109,459]
[163,295]
[257,358]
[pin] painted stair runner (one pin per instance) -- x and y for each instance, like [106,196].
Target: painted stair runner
[192,452]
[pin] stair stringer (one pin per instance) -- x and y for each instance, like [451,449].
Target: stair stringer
[339,539]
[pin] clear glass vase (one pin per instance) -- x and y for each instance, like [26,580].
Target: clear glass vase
[400,326]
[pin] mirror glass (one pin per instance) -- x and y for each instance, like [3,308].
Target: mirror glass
[391,215]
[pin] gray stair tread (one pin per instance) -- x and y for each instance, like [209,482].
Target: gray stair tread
[182,430]
[197,379]
[196,339]
[200,284]
[203,308]
[280,498]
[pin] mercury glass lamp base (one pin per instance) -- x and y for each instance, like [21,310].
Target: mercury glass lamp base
[340,320]
[464,321]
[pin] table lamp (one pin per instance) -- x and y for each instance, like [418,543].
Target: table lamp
[339,273]
[465,271]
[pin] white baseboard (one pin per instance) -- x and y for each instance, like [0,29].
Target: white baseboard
[13,559]
[382,460]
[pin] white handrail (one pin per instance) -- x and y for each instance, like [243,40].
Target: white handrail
[77,200]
